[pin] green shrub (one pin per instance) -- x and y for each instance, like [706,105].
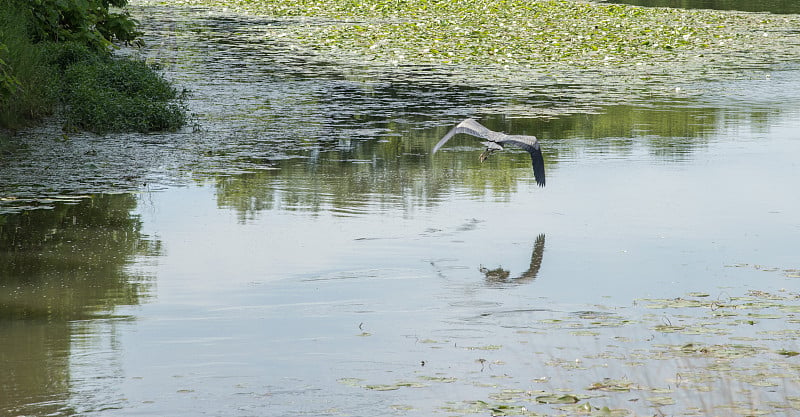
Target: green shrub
[120,95]
[58,50]
[63,54]
[28,83]
[8,82]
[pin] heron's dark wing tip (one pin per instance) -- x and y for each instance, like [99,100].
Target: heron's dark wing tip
[538,166]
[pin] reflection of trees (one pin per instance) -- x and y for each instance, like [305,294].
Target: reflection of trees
[668,132]
[56,266]
[625,121]
[69,261]
[397,170]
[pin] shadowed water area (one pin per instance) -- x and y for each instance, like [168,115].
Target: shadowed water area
[299,251]
[771,6]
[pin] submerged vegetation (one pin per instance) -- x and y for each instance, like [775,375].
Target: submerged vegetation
[57,53]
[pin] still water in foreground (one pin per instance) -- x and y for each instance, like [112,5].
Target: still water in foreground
[627,283]
[312,258]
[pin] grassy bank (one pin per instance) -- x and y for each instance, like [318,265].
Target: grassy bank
[56,56]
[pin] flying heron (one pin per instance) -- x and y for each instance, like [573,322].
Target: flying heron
[496,140]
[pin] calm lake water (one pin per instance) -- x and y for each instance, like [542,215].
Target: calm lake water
[300,252]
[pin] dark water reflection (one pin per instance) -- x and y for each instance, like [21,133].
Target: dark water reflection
[59,265]
[69,261]
[772,6]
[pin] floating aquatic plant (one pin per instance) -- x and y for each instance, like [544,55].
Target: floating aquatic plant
[547,36]
[579,55]
[691,361]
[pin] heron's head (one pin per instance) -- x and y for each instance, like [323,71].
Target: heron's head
[497,275]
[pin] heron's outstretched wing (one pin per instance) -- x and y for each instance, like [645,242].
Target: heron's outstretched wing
[470,127]
[530,144]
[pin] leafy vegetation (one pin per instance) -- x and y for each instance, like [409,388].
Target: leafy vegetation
[27,82]
[58,52]
[89,22]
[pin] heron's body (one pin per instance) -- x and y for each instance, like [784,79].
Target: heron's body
[495,141]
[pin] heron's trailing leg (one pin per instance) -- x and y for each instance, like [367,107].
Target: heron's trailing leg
[491,147]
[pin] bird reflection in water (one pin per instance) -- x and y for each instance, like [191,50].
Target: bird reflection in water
[500,276]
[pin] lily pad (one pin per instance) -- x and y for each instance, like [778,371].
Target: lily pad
[486,347]
[557,399]
[395,386]
[611,385]
[442,379]
[353,382]
[661,401]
